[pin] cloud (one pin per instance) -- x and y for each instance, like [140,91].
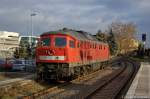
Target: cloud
[88,15]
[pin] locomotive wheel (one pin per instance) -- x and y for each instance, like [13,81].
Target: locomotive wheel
[88,69]
[81,71]
[40,77]
[84,70]
[77,71]
[69,78]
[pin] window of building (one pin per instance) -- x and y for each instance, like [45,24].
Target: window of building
[60,42]
[72,44]
[46,41]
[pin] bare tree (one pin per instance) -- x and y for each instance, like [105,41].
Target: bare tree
[124,33]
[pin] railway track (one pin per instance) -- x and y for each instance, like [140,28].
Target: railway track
[59,87]
[99,84]
[52,91]
[109,87]
[115,87]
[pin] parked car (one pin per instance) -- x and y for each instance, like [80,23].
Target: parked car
[24,65]
[30,65]
[6,64]
[19,65]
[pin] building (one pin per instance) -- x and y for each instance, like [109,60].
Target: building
[9,41]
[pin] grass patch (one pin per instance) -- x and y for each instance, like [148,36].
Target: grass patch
[2,77]
[18,91]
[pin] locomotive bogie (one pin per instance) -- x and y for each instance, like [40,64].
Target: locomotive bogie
[53,70]
[61,71]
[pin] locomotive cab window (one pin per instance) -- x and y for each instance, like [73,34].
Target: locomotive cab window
[60,42]
[45,41]
[72,44]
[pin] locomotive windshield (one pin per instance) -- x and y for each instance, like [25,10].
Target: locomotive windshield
[60,42]
[46,41]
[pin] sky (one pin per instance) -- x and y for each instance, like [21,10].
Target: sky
[87,15]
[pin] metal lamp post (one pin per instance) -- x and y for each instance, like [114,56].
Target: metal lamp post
[32,15]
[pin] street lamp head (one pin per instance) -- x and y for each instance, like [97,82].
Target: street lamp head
[33,14]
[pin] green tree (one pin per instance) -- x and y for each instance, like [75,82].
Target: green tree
[112,43]
[16,53]
[22,51]
[101,36]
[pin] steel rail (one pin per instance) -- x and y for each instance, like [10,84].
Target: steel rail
[111,89]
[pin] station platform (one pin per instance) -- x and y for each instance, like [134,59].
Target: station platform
[140,87]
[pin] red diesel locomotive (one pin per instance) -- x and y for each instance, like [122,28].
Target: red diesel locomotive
[68,53]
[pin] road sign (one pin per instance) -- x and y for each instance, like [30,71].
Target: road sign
[143,37]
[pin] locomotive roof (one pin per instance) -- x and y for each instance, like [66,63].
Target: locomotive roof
[77,34]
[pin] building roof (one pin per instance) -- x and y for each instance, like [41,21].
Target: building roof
[6,34]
